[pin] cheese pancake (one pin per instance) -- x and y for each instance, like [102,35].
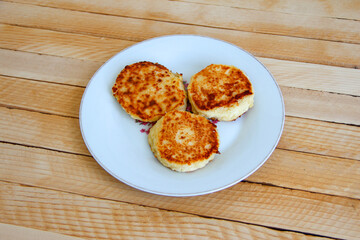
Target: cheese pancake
[148,90]
[183,141]
[220,92]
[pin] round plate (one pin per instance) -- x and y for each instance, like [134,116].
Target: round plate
[117,143]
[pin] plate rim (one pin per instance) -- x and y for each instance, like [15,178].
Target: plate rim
[189,194]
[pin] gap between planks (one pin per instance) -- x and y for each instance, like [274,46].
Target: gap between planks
[306,50]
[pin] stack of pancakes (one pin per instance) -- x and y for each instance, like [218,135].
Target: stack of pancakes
[180,140]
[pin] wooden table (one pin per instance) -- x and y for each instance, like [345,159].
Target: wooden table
[51,187]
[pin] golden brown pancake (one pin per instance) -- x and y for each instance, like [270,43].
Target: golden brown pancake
[183,141]
[148,90]
[221,92]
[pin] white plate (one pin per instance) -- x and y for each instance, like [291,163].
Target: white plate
[115,140]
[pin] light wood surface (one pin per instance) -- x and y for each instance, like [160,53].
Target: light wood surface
[52,188]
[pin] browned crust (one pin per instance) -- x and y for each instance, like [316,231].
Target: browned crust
[141,90]
[218,86]
[204,137]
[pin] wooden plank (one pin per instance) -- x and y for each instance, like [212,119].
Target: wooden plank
[62,133]
[47,68]
[347,9]
[321,105]
[65,100]
[287,73]
[40,96]
[265,45]
[314,76]
[321,137]
[93,218]
[10,232]
[278,23]
[289,169]
[310,172]
[43,130]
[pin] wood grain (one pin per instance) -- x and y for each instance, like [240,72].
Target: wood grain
[289,169]
[65,100]
[264,45]
[347,9]
[287,73]
[278,23]
[94,218]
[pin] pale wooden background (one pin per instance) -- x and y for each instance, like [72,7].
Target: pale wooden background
[310,186]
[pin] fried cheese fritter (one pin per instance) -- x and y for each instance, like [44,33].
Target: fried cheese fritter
[220,92]
[183,141]
[148,90]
